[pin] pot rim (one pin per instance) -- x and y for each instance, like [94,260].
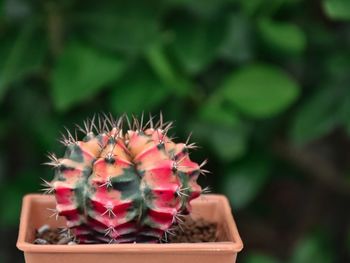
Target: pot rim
[208,247]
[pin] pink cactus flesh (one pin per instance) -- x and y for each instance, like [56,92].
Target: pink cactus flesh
[121,187]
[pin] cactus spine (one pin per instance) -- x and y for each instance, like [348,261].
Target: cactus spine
[117,186]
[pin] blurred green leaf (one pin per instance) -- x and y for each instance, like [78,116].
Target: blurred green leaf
[45,132]
[81,72]
[215,112]
[260,91]
[17,11]
[129,27]
[260,8]
[139,90]
[228,143]
[342,111]
[251,7]
[21,53]
[319,115]
[1,8]
[238,43]
[259,258]
[195,46]
[338,64]
[3,167]
[203,8]
[42,128]
[311,249]
[10,206]
[4,128]
[337,9]
[11,209]
[162,67]
[283,36]
[245,180]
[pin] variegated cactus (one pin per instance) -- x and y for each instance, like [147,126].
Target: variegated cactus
[122,186]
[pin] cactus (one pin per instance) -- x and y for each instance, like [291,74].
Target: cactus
[117,186]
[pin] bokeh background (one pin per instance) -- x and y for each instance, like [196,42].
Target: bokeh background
[263,85]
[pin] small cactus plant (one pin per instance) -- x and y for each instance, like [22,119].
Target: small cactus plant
[123,186]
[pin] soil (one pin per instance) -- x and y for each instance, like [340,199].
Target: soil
[194,231]
[191,231]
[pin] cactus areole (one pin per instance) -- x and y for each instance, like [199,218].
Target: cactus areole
[123,185]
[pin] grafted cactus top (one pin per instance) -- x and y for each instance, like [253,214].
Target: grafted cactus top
[122,187]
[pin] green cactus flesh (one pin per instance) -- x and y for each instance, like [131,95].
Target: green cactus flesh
[122,187]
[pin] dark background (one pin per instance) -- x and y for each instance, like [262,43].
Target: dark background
[263,85]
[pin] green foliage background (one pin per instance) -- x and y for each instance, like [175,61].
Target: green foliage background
[263,85]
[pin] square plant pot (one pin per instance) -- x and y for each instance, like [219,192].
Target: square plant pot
[212,208]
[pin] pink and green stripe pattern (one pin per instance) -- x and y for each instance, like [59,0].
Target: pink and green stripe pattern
[117,186]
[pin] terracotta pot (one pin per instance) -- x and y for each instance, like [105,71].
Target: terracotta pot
[213,208]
